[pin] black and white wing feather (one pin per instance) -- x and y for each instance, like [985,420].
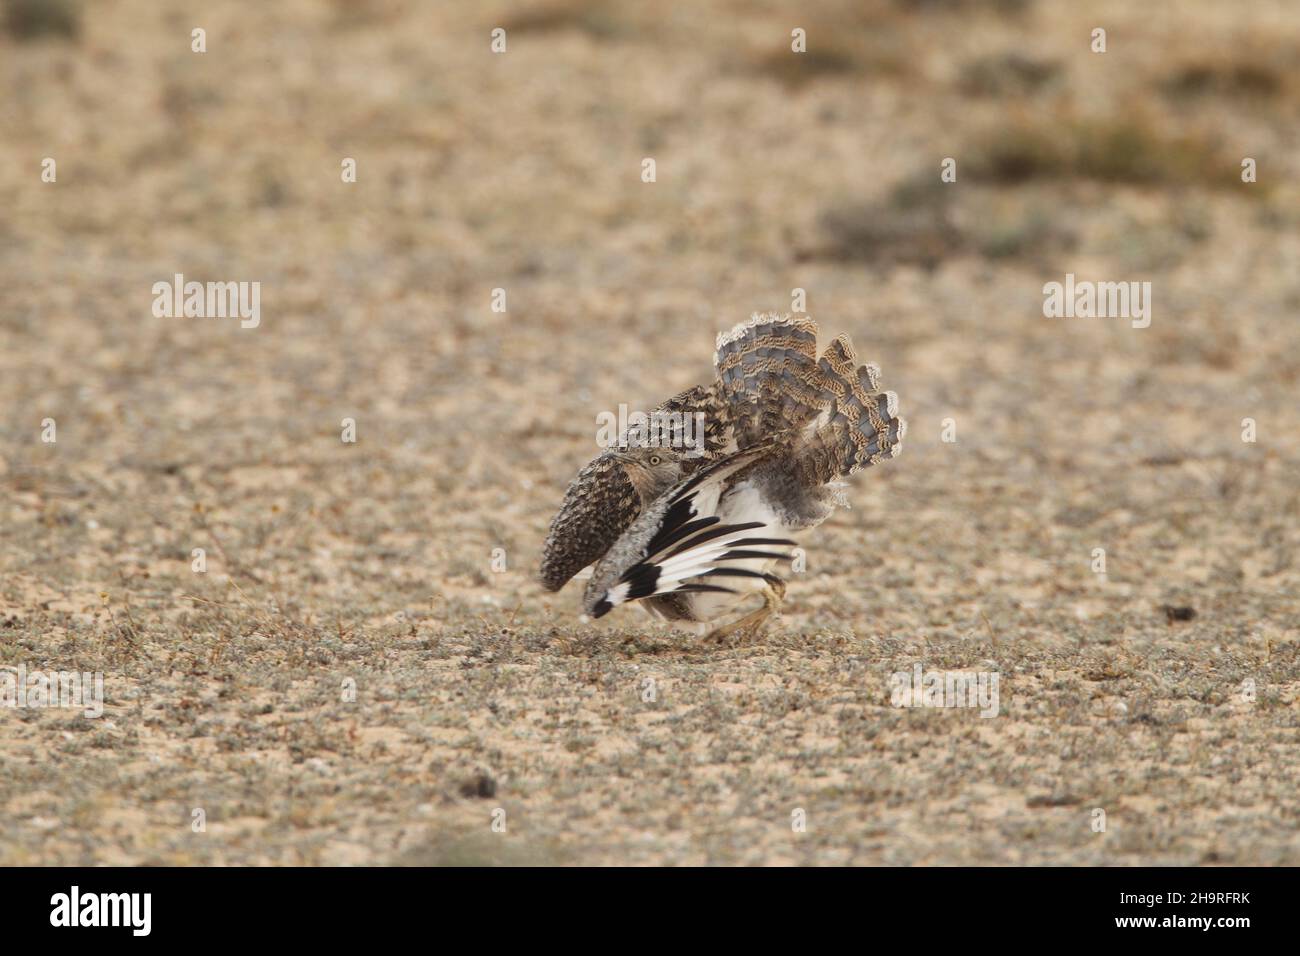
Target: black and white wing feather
[680,541]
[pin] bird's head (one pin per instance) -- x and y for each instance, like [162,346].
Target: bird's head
[652,471]
[604,498]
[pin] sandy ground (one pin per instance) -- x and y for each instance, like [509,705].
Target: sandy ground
[479,698]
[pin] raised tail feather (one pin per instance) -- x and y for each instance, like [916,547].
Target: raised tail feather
[769,371]
[862,426]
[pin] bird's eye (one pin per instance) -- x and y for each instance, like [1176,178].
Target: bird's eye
[655,460]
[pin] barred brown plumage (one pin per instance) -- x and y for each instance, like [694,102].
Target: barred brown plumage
[781,426]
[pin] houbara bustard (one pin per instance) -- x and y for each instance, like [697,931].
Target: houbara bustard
[690,531]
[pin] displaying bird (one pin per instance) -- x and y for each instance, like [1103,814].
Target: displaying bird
[690,529]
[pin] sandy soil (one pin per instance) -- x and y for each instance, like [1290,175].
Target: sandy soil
[480,698]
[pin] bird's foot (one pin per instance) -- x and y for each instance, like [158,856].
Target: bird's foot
[754,621]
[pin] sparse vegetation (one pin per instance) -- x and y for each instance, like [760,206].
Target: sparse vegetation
[1005,7]
[1007,74]
[924,222]
[602,21]
[34,19]
[1239,78]
[1110,150]
[922,233]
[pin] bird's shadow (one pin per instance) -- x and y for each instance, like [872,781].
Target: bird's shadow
[633,642]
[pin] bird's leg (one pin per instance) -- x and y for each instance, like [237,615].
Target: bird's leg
[773,593]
